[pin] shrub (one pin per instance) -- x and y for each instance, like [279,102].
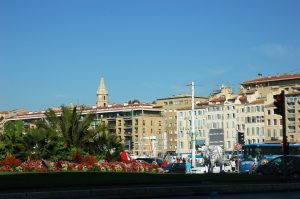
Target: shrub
[11,161]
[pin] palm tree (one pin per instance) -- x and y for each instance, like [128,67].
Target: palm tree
[61,135]
[71,126]
[103,143]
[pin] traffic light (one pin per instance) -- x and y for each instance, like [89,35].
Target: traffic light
[241,138]
[279,104]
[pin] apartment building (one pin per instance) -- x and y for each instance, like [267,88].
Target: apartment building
[3,115]
[264,88]
[254,122]
[250,112]
[169,106]
[184,128]
[137,125]
[293,116]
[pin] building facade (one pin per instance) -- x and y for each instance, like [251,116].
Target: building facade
[169,114]
[184,129]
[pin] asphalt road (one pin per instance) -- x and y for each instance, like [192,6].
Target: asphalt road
[269,195]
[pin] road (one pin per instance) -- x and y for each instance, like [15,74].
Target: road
[271,195]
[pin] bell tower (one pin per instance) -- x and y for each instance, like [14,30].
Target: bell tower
[102,95]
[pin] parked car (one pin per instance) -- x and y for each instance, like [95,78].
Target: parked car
[276,167]
[151,160]
[227,166]
[199,169]
[175,168]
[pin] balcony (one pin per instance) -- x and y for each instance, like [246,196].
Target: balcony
[291,115]
[291,107]
[111,127]
[291,123]
[127,126]
[291,131]
[127,117]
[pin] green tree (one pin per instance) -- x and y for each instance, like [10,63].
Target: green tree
[11,142]
[71,126]
[104,144]
[41,143]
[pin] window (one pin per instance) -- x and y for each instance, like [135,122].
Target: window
[269,132]
[269,122]
[228,144]
[181,145]
[275,121]
[257,108]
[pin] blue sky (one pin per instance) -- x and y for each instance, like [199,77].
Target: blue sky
[55,52]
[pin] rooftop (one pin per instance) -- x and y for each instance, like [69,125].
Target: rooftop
[261,79]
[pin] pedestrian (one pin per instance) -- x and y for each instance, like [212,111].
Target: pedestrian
[188,166]
[125,156]
[164,164]
[232,164]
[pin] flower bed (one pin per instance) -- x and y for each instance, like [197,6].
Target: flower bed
[89,163]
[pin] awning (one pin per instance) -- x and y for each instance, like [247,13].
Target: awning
[200,142]
[197,156]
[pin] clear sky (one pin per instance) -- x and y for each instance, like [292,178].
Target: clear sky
[54,52]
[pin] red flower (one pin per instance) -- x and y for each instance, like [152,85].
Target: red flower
[11,161]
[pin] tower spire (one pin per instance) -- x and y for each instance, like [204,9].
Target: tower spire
[102,95]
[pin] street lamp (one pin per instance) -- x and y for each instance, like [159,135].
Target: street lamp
[193,127]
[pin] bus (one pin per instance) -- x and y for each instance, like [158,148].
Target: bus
[255,154]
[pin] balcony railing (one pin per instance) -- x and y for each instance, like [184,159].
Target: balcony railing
[291,115]
[128,134]
[127,126]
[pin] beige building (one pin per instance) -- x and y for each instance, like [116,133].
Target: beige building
[293,116]
[184,129]
[137,125]
[3,115]
[169,124]
[264,88]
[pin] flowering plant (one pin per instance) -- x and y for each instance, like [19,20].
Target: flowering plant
[88,163]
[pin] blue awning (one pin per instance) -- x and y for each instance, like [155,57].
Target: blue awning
[197,156]
[200,142]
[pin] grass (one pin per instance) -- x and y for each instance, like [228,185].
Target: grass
[83,179]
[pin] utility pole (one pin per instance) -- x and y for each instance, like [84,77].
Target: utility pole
[284,136]
[142,131]
[280,109]
[193,127]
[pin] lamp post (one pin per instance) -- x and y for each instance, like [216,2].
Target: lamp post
[193,127]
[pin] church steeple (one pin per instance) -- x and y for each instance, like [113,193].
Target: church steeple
[102,95]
